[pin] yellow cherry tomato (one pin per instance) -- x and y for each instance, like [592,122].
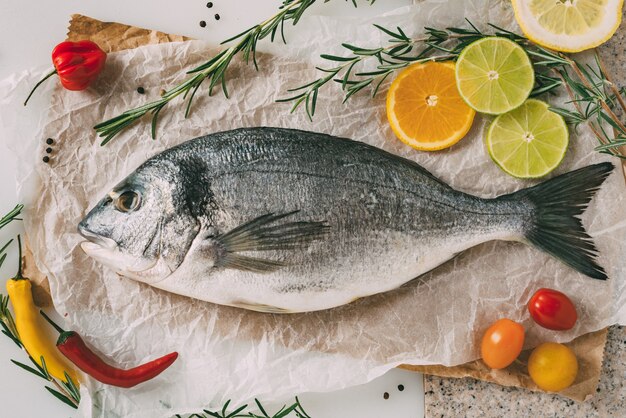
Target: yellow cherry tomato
[552,366]
[502,343]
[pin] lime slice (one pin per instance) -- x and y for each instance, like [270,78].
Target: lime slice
[529,141]
[494,75]
[568,25]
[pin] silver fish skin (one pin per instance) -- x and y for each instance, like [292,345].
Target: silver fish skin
[279,220]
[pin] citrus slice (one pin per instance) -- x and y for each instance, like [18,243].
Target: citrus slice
[425,109]
[528,142]
[494,75]
[568,25]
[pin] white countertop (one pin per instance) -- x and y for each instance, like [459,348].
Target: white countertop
[29,31]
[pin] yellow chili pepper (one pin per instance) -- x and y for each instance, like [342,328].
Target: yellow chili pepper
[28,323]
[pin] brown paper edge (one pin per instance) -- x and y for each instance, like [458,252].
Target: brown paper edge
[113,36]
[589,348]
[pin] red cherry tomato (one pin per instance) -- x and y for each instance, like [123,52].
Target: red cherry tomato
[552,309]
[502,343]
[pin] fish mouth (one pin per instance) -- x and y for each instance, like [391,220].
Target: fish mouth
[107,251]
[92,238]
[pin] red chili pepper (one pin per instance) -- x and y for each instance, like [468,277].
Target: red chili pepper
[78,64]
[74,348]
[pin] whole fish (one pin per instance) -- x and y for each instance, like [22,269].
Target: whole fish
[279,220]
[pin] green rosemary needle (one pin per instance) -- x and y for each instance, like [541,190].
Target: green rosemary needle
[5,220]
[11,216]
[295,410]
[214,69]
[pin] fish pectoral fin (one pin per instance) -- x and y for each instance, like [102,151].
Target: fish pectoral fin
[253,264]
[266,233]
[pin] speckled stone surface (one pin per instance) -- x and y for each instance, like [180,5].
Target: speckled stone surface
[473,398]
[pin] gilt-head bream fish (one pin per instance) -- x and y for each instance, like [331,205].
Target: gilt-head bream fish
[279,220]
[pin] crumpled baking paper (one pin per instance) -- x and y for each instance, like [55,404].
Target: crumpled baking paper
[589,348]
[228,353]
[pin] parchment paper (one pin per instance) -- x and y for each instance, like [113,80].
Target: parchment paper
[229,353]
[588,348]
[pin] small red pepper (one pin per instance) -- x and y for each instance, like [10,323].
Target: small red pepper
[78,64]
[72,346]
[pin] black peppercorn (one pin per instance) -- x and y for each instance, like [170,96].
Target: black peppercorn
[217,17]
[209,5]
[141,90]
[202,24]
[49,141]
[46,159]
[400,388]
[386,395]
[49,150]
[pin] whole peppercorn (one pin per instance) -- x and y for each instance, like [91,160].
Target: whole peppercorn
[141,90]
[217,17]
[46,159]
[209,5]
[202,24]
[49,150]
[49,141]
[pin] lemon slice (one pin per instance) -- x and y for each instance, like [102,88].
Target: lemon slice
[424,107]
[528,142]
[568,25]
[494,75]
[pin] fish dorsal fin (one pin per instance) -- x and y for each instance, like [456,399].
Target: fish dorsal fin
[265,233]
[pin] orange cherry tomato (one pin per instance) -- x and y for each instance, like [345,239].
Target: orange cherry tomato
[552,309]
[502,343]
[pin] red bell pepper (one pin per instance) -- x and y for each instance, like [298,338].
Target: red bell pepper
[77,64]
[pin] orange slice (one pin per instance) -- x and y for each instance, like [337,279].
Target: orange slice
[425,109]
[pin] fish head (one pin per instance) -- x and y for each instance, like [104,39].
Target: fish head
[140,229]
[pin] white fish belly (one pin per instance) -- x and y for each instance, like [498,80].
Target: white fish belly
[310,287]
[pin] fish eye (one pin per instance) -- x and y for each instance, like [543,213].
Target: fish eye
[128,201]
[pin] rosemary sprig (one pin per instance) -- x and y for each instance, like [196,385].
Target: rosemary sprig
[242,412]
[4,221]
[402,51]
[595,99]
[214,69]
[3,255]
[592,93]
[11,216]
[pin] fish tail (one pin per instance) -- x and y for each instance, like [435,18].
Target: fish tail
[554,225]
